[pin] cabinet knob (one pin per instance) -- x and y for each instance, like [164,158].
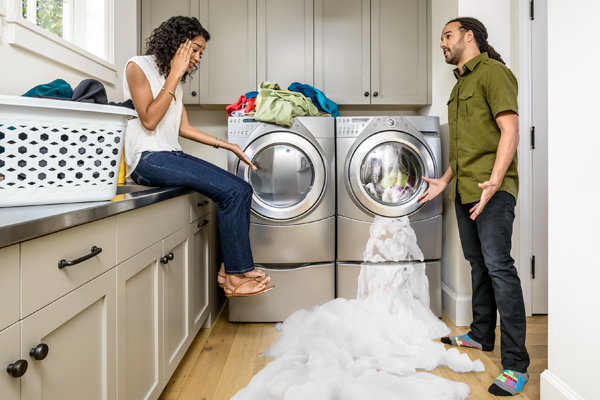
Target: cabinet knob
[204,203]
[376,94]
[366,94]
[201,224]
[17,369]
[167,258]
[39,352]
[194,93]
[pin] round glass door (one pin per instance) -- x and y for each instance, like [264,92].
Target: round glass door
[385,173]
[290,175]
[391,174]
[284,175]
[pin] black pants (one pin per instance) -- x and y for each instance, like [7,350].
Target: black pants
[486,244]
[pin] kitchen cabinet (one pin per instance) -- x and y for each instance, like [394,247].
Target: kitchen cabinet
[10,355]
[140,325]
[177,271]
[9,286]
[117,324]
[74,343]
[372,51]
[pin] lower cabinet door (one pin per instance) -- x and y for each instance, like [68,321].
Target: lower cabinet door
[139,326]
[176,295]
[10,356]
[70,345]
[201,260]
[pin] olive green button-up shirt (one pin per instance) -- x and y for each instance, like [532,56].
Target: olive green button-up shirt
[486,88]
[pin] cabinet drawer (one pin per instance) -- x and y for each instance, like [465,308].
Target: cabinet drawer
[139,229]
[9,286]
[199,206]
[43,282]
[10,353]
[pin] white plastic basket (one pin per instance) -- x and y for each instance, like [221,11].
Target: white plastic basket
[54,151]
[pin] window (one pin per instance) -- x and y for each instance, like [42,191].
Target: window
[84,23]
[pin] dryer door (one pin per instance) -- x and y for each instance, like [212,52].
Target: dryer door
[384,173]
[290,176]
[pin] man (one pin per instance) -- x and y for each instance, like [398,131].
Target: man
[484,134]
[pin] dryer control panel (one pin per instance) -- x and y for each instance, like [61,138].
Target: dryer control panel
[241,127]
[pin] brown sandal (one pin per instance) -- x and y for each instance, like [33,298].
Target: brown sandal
[258,279]
[234,294]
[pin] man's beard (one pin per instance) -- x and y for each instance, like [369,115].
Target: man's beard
[455,53]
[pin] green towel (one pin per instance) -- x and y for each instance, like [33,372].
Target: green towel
[56,88]
[281,106]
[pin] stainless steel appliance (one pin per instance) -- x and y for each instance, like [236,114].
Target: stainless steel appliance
[380,164]
[292,226]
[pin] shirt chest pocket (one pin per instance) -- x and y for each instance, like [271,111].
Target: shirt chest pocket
[466,103]
[451,108]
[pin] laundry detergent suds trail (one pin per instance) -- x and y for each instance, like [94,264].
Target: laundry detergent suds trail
[370,347]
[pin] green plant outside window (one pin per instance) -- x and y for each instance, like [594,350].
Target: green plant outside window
[49,15]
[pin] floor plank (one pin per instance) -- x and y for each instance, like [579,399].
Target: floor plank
[230,357]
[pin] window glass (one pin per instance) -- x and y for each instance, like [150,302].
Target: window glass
[391,173]
[45,13]
[284,175]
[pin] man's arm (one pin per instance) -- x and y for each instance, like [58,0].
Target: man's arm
[508,122]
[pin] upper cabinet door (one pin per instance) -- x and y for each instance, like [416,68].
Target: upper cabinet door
[284,40]
[154,13]
[228,66]
[399,70]
[342,50]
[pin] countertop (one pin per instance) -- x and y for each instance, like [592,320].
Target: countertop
[18,224]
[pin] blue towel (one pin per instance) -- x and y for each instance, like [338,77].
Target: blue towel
[318,98]
[56,88]
[251,95]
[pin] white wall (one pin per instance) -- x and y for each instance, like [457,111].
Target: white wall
[21,70]
[574,140]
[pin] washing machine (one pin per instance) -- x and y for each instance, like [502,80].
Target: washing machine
[292,224]
[380,164]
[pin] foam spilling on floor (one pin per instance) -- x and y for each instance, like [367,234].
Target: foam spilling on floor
[370,347]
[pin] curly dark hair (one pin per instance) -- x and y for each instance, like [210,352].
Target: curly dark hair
[166,39]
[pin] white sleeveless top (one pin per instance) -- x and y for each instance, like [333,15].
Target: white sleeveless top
[165,137]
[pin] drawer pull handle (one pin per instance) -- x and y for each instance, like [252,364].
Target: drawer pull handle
[94,252]
[203,204]
[39,352]
[201,224]
[167,258]
[17,369]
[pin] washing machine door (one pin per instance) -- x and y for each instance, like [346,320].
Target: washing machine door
[290,177]
[384,173]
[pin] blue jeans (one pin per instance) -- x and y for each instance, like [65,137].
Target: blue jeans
[486,244]
[232,194]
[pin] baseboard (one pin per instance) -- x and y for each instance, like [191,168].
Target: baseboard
[553,388]
[456,308]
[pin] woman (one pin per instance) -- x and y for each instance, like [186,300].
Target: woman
[154,157]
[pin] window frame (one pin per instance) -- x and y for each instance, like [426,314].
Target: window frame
[27,35]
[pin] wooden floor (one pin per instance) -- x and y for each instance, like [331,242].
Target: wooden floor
[223,359]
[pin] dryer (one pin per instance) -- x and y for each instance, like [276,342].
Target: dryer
[380,164]
[292,224]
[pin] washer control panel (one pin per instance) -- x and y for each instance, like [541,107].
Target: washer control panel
[241,127]
[351,127]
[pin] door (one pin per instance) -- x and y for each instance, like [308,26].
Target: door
[201,263]
[284,44]
[228,67]
[155,12]
[139,326]
[399,52]
[384,173]
[176,299]
[79,331]
[290,177]
[342,50]
[539,156]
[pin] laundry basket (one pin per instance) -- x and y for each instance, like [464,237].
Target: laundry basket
[54,151]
